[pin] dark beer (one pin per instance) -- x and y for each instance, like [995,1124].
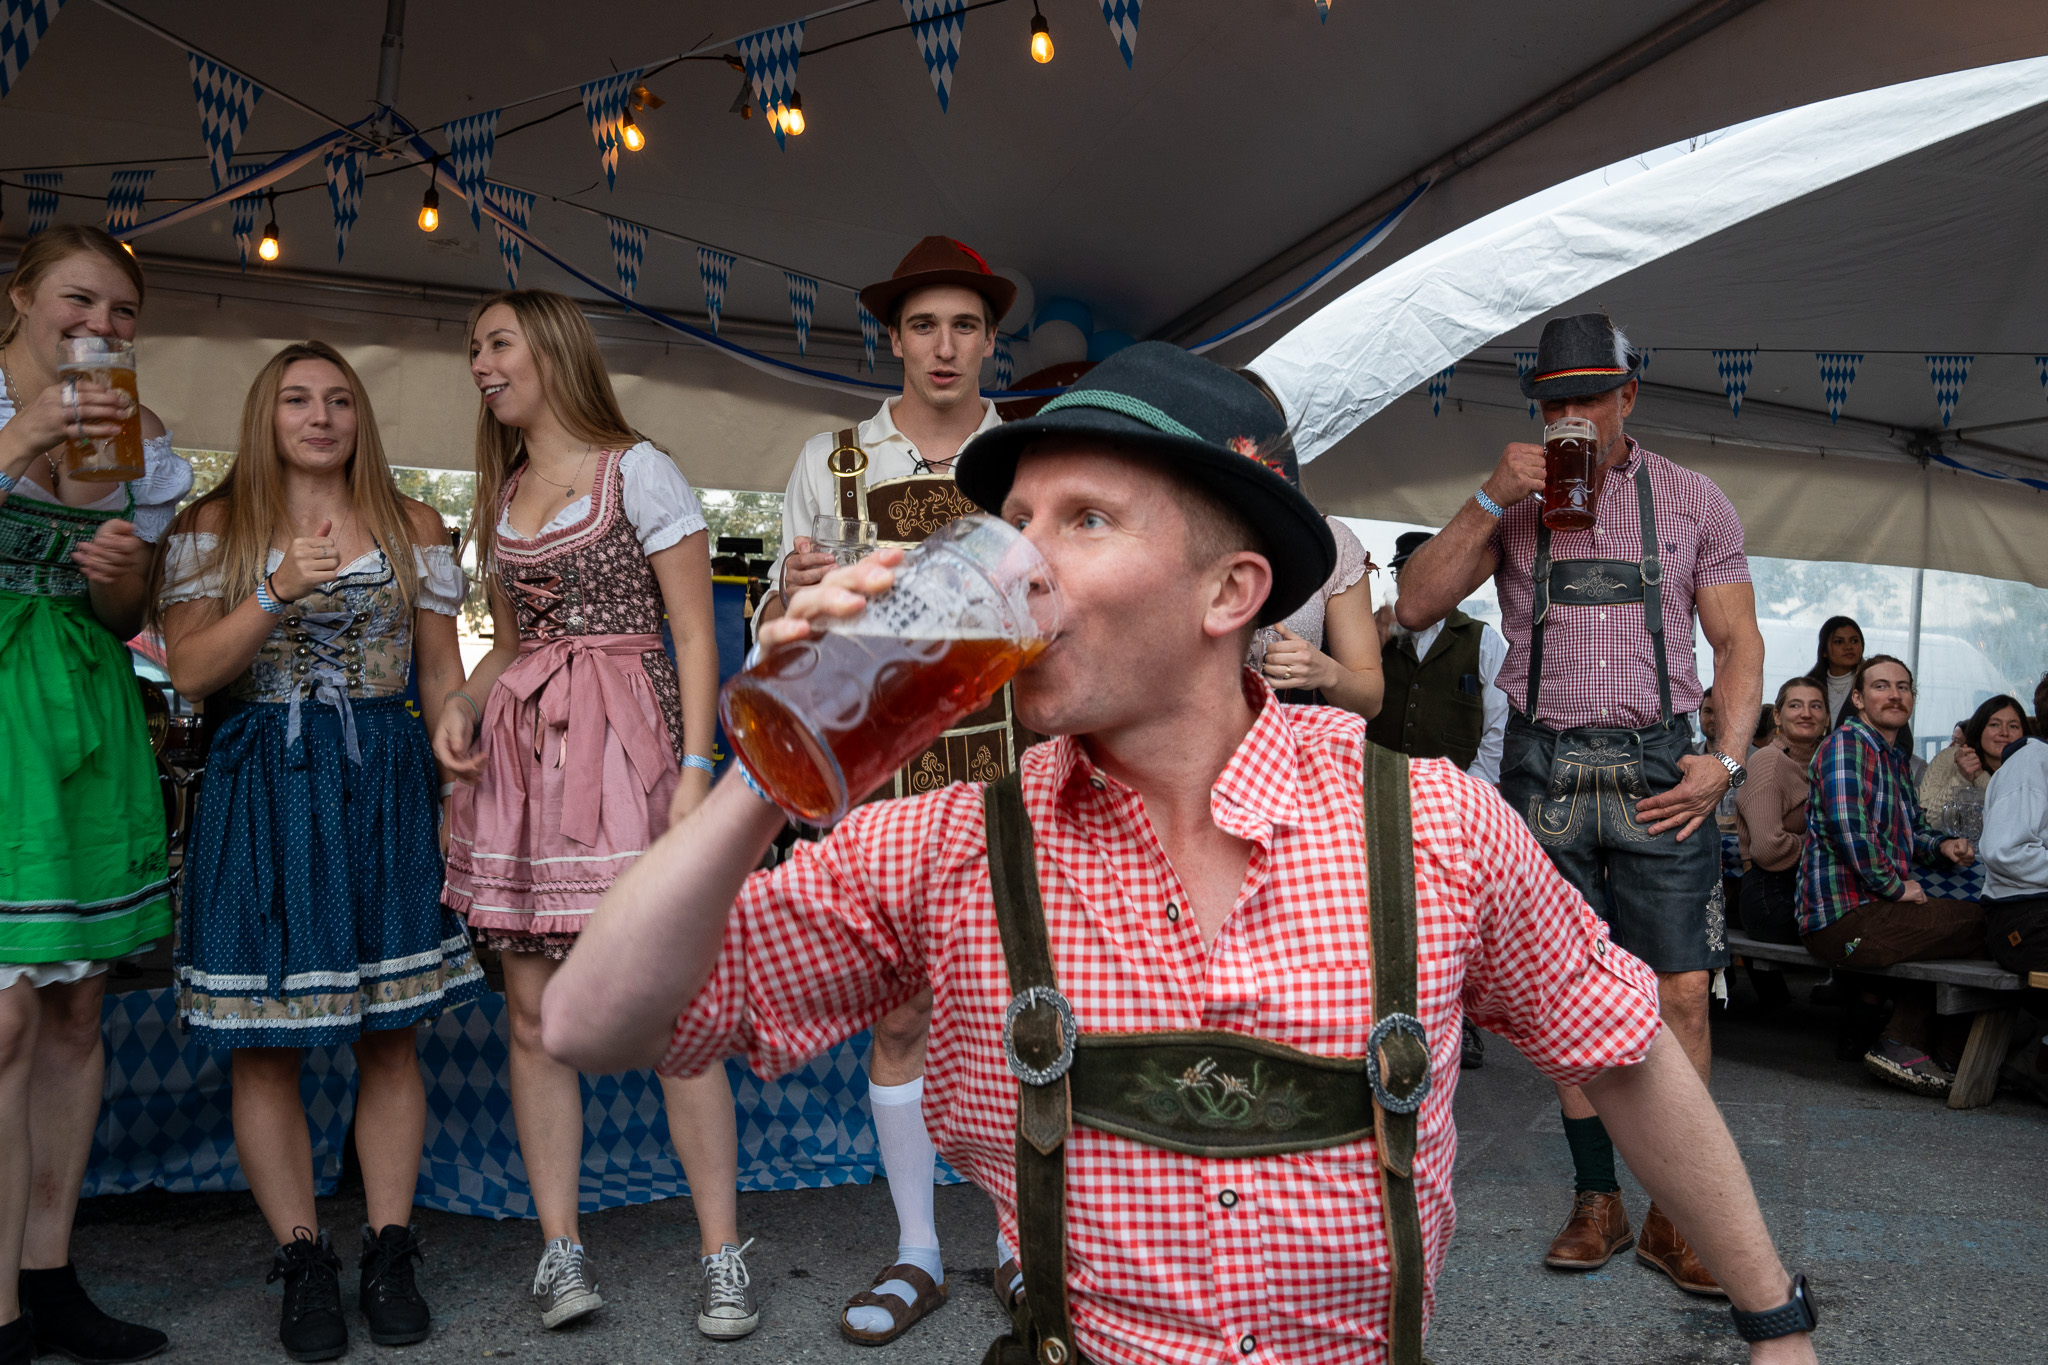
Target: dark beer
[1571,460]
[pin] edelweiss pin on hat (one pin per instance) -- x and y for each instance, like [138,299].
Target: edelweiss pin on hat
[1209,424]
[1579,357]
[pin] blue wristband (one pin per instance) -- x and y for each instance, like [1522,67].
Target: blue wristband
[699,762]
[265,600]
[1488,505]
[752,785]
[7,482]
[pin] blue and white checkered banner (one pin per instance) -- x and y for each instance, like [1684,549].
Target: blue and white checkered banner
[803,301]
[937,25]
[1122,18]
[629,248]
[714,267]
[245,212]
[604,104]
[1734,368]
[1439,385]
[871,333]
[518,206]
[344,193]
[471,141]
[1837,373]
[1525,364]
[42,198]
[125,195]
[1006,364]
[226,99]
[1949,373]
[22,25]
[770,57]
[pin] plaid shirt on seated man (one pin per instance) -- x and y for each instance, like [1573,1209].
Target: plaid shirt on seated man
[1864,825]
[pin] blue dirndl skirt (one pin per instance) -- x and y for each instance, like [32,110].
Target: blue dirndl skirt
[312,883]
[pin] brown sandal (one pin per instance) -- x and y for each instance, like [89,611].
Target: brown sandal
[902,1316]
[1008,1274]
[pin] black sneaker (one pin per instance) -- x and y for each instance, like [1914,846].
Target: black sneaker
[18,1340]
[312,1327]
[391,1302]
[1471,1047]
[70,1324]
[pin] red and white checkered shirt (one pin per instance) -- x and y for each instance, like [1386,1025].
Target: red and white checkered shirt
[1295,1267]
[1598,664]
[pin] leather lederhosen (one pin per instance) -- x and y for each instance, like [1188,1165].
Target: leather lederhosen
[1165,1089]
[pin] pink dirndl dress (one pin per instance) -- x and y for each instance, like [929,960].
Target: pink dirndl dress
[583,735]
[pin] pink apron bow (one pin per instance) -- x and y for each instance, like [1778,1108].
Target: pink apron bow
[581,693]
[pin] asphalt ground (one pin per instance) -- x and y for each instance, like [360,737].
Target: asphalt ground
[1923,1231]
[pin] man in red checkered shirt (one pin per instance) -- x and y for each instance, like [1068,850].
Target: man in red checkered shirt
[1599,622]
[1201,857]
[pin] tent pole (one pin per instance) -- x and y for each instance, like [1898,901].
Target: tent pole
[387,65]
[1913,638]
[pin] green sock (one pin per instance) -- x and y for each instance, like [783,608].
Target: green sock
[1592,1155]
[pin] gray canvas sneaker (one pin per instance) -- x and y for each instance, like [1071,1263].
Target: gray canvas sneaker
[728,1311]
[562,1286]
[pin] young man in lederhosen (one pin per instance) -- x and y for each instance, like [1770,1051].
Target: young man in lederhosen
[1198,965]
[895,470]
[1600,671]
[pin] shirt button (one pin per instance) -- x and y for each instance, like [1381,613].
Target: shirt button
[1173,912]
[1228,1199]
[1603,616]
[1097,783]
[1246,1344]
[1603,663]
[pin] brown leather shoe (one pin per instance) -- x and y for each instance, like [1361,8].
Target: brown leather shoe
[1663,1249]
[1597,1229]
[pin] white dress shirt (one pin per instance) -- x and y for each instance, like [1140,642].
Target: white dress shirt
[1493,652]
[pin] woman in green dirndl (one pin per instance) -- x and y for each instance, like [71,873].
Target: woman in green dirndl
[82,872]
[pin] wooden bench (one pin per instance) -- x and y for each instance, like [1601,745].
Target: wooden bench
[1975,986]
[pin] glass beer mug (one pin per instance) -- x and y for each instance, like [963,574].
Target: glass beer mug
[1571,458]
[109,361]
[824,721]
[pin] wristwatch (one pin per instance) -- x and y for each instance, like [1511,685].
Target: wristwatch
[1737,774]
[1798,1315]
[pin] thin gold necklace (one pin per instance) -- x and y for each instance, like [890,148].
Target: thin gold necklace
[569,487]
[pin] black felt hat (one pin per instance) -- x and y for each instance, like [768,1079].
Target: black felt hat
[1406,544]
[1575,359]
[1209,424]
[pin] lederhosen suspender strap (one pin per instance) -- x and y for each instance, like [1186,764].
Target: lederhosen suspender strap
[1589,582]
[1110,1081]
[848,464]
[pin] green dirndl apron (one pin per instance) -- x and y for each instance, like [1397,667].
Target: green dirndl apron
[82,864]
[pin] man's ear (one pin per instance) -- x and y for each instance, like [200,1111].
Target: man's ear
[1240,584]
[1628,396]
[896,342]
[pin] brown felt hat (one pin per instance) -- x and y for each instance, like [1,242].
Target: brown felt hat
[940,260]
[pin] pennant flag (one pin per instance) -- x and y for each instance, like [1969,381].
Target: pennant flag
[1439,385]
[629,248]
[1006,367]
[1525,361]
[42,198]
[604,104]
[1837,373]
[714,267]
[803,298]
[124,198]
[1643,360]
[1122,18]
[22,25]
[871,336]
[1323,10]
[1734,368]
[344,193]
[245,212]
[226,99]
[937,24]
[770,57]
[2041,361]
[1949,373]
[516,205]
[470,144]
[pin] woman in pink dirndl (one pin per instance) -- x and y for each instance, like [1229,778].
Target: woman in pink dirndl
[577,743]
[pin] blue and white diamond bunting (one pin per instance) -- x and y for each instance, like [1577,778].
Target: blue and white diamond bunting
[1323,10]
[1949,373]
[344,193]
[2041,363]
[1439,385]
[516,205]
[770,58]
[1122,18]
[22,25]
[1525,363]
[1006,366]
[714,267]
[245,211]
[629,248]
[226,99]
[125,197]
[1837,373]
[803,301]
[604,104]
[870,331]
[42,198]
[1734,367]
[937,24]
[471,141]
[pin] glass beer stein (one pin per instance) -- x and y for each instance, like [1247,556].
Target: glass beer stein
[1571,461]
[109,361]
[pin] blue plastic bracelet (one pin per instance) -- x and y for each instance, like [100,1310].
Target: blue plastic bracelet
[1488,505]
[699,762]
[752,785]
[7,482]
[266,601]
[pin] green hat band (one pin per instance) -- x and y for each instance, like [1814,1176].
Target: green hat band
[1135,408]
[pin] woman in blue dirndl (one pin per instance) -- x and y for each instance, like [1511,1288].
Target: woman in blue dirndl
[298,597]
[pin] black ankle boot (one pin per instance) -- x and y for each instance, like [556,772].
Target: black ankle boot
[18,1340]
[398,1316]
[312,1327]
[70,1324]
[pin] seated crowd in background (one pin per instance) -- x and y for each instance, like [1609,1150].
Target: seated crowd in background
[1770,813]
[2015,849]
[1978,748]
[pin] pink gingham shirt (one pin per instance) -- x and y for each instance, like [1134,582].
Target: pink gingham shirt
[1294,1268]
[1598,665]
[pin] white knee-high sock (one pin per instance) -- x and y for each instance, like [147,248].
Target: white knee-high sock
[908,1159]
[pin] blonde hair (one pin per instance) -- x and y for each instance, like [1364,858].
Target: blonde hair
[251,497]
[574,381]
[59,243]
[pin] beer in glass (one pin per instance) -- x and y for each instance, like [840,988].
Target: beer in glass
[846,539]
[824,721]
[1571,462]
[109,361]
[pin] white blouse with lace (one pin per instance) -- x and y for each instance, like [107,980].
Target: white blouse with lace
[656,499]
[165,479]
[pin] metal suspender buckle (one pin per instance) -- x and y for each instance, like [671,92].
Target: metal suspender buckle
[1030,998]
[1653,569]
[846,469]
[1385,1098]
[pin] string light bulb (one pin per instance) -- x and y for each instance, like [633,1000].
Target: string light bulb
[128,248]
[793,115]
[430,210]
[267,249]
[1041,36]
[630,134]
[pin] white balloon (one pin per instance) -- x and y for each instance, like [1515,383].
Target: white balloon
[1057,343]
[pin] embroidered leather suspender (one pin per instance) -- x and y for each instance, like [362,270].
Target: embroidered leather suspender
[849,466]
[1124,1083]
